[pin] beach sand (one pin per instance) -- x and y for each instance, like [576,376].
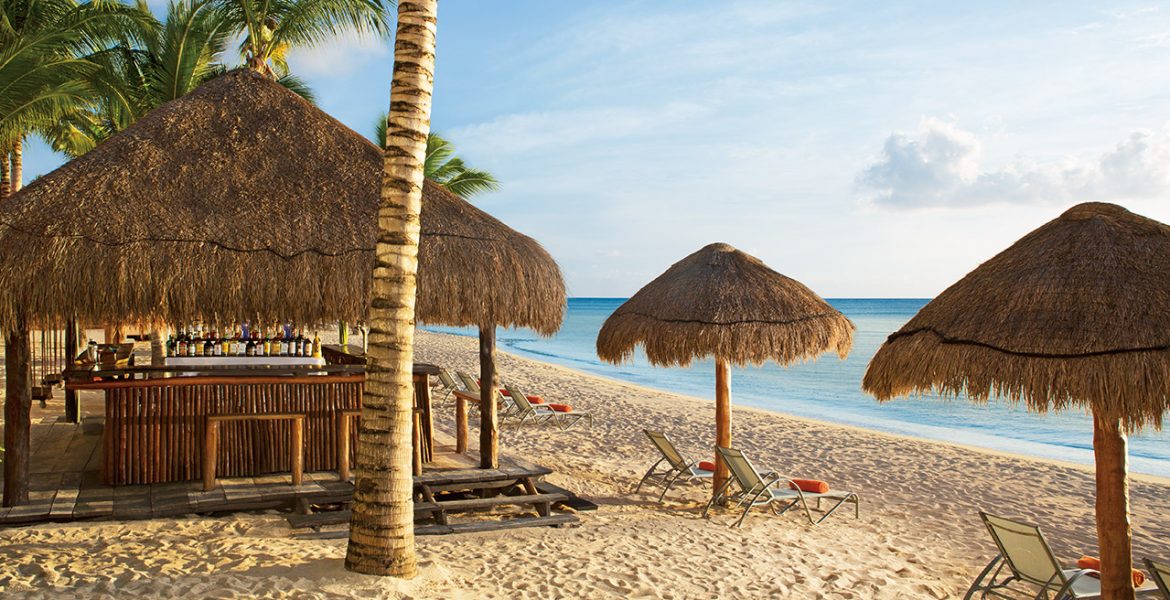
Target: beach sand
[919,535]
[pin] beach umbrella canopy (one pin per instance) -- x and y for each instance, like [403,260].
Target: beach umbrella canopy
[723,303]
[1074,315]
[241,198]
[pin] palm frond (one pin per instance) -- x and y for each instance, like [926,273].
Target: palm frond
[298,86]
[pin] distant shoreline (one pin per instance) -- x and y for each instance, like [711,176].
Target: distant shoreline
[1086,467]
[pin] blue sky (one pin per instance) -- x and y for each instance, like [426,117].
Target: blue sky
[866,149]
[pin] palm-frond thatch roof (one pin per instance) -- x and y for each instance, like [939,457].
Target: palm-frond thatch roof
[1074,314]
[724,303]
[241,199]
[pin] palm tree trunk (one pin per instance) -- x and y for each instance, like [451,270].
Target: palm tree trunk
[1114,535]
[5,175]
[381,533]
[17,165]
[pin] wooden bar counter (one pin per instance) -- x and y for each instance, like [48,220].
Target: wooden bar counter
[155,428]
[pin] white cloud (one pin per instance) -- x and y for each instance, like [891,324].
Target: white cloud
[346,54]
[941,165]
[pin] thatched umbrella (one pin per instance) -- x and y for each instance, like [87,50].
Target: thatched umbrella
[1074,315]
[724,303]
[242,199]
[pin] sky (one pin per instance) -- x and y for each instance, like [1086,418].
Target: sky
[867,149]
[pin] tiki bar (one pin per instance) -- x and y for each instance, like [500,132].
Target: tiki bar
[243,207]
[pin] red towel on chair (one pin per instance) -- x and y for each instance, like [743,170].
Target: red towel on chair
[706,465]
[536,400]
[1094,563]
[811,486]
[562,408]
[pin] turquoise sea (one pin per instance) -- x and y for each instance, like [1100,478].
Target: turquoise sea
[830,389]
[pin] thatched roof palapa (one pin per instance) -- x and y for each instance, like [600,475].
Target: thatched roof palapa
[1074,314]
[242,199]
[724,303]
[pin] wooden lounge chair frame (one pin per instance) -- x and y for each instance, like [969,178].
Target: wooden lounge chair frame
[1035,565]
[771,490]
[678,466]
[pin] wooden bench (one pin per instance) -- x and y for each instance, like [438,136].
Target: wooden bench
[211,443]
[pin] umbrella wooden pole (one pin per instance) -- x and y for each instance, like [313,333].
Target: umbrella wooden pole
[722,418]
[1113,529]
[489,440]
[17,415]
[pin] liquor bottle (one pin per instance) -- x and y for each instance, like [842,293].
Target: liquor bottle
[170,345]
[284,344]
[197,343]
[181,344]
[250,348]
[316,345]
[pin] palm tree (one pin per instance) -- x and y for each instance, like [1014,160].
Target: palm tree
[154,63]
[272,27]
[158,62]
[446,169]
[46,48]
[381,534]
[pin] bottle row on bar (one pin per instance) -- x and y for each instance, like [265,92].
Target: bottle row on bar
[242,340]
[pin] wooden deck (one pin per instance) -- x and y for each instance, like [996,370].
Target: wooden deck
[66,485]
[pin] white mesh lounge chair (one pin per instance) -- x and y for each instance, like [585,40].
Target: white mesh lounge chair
[529,412]
[1025,558]
[1160,573]
[676,466]
[773,491]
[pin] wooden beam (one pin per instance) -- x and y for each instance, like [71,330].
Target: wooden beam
[17,415]
[722,418]
[489,441]
[1114,534]
[72,347]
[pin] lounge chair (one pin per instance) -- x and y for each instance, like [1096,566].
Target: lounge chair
[1160,573]
[772,490]
[677,466]
[504,408]
[1025,558]
[528,411]
[447,383]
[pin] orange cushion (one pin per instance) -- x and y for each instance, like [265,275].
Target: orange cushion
[810,485]
[706,465]
[536,399]
[561,407]
[1094,563]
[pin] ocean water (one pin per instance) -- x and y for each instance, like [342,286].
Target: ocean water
[829,389]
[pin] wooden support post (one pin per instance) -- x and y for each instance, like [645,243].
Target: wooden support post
[297,448]
[460,424]
[210,441]
[722,418]
[17,415]
[72,347]
[489,441]
[1114,534]
[343,445]
[416,444]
